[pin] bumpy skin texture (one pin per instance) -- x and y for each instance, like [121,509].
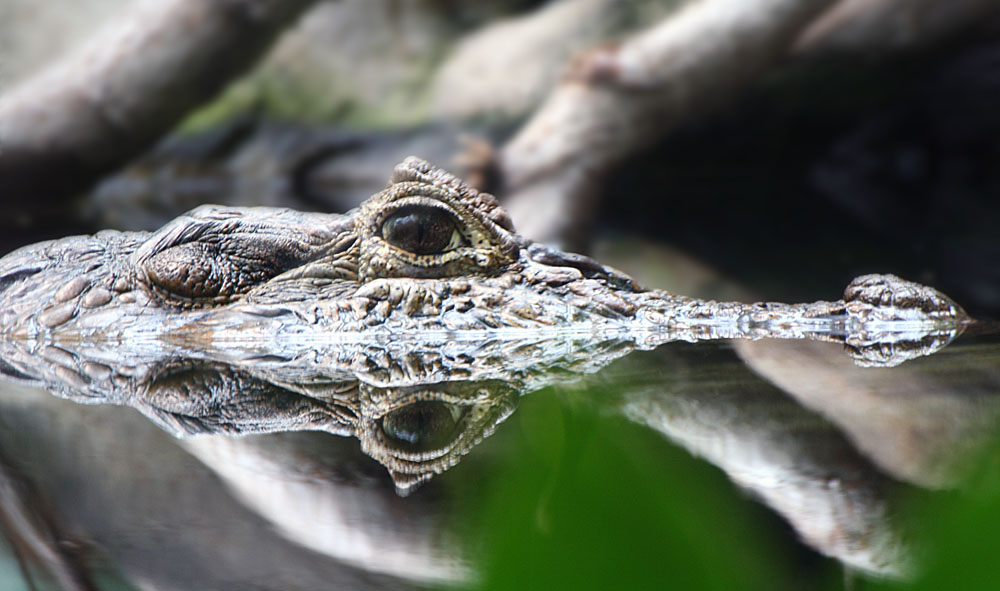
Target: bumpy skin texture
[416,407]
[427,254]
[412,323]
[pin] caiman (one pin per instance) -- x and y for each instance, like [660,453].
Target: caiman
[421,307]
[415,323]
[428,257]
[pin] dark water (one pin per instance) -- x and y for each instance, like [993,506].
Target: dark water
[758,465]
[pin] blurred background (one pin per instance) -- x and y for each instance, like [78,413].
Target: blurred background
[808,140]
[787,145]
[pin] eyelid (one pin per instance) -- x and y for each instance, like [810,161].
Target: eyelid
[416,202]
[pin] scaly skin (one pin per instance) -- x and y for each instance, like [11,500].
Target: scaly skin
[423,304]
[428,255]
[416,407]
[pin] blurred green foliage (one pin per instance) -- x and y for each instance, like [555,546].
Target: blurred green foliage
[581,501]
[959,531]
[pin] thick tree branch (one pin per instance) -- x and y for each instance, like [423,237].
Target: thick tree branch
[617,100]
[64,128]
[883,26]
[33,533]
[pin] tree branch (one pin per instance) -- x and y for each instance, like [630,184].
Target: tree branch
[619,99]
[62,129]
[884,26]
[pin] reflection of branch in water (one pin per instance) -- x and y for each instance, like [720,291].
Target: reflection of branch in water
[913,421]
[792,460]
[148,505]
[317,495]
[423,420]
[30,527]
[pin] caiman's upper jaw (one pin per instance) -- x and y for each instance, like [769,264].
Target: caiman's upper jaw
[425,239]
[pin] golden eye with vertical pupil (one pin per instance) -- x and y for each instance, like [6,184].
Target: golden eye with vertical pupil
[422,230]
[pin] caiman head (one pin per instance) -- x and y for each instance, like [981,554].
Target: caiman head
[429,254]
[427,246]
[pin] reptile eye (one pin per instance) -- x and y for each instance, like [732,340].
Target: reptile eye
[421,426]
[422,230]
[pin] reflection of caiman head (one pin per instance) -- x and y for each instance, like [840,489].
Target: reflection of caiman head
[415,431]
[419,431]
[417,407]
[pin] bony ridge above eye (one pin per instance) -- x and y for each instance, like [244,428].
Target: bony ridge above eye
[422,230]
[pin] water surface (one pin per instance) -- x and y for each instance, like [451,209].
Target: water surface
[750,464]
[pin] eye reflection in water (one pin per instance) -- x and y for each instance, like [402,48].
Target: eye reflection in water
[421,426]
